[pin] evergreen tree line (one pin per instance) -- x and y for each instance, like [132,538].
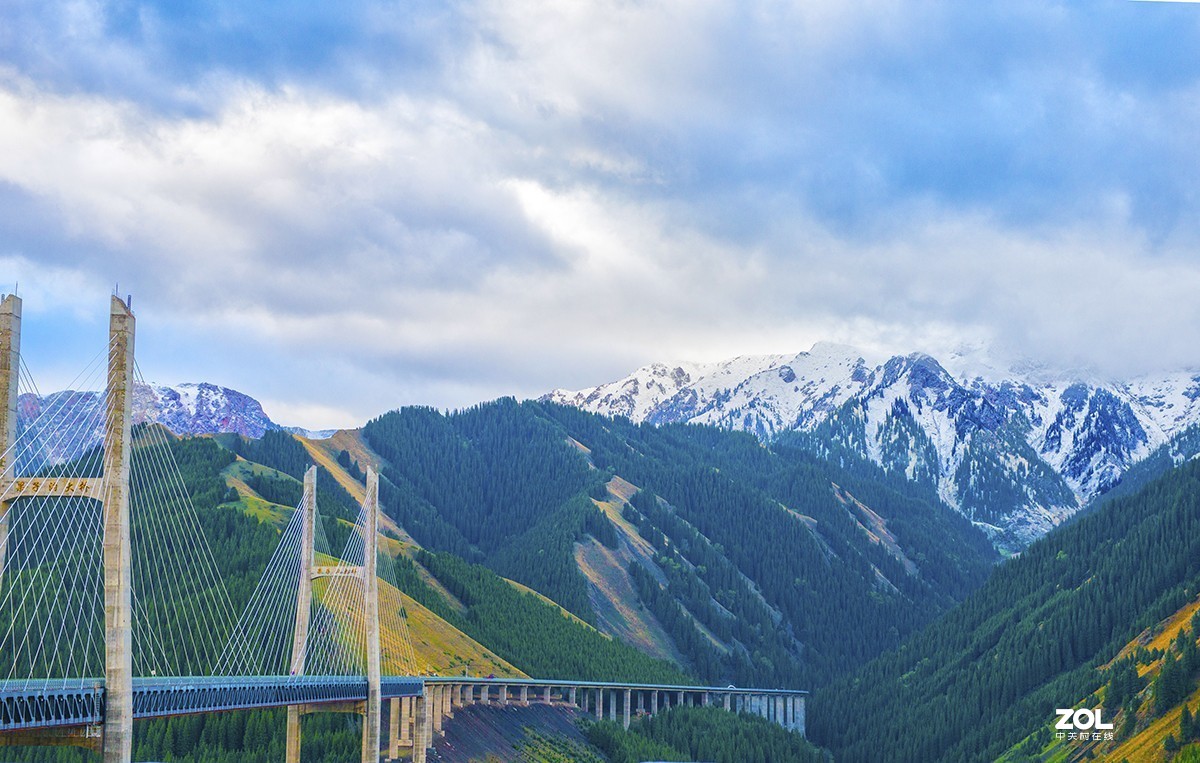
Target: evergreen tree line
[702,733]
[526,631]
[993,669]
[502,484]
[701,583]
[493,485]
[282,452]
[775,517]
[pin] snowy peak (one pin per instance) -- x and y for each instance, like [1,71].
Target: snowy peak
[67,423]
[1015,452]
[201,409]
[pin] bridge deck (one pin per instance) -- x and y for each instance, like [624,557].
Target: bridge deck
[63,703]
[80,702]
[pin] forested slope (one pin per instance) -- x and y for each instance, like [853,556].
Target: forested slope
[750,543]
[1032,639]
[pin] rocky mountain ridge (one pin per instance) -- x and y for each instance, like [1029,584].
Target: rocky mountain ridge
[1017,452]
[75,417]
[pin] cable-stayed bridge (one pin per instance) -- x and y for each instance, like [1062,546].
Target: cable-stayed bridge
[113,607]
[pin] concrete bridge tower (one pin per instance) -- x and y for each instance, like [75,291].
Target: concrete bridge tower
[112,490]
[309,571]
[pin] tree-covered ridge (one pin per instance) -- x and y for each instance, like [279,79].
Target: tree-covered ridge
[492,484]
[525,630]
[751,542]
[702,733]
[1149,695]
[283,453]
[773,514]
[991,672]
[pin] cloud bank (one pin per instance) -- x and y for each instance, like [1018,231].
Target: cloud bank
[345,211]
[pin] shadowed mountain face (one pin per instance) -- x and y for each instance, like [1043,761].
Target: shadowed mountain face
[1016,452]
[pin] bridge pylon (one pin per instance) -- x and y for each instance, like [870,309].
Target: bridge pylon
[10,373]
[118,567]
[112,490]
[371,708]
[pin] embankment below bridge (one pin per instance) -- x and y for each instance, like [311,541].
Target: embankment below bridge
[496,733]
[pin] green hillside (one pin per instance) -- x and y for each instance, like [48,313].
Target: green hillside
[730,550]
[1149,695]
[1034,638]
[745,546]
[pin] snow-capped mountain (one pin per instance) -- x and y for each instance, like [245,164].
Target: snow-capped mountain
[1017,452]
[69,422]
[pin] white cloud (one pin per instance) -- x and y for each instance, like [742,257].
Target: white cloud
[584,187]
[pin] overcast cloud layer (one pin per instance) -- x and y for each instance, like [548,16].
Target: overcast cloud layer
[344,207]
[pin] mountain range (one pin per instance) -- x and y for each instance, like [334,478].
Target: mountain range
[185,409]
[1017,451]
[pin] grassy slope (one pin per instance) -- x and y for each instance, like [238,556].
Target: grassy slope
[613,592]
[1146,745]
[325,452]
[251,502]
[439,648]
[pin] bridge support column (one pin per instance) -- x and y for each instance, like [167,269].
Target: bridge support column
[118,579]
[434,694]
[456,698]
[503,694]
[628,699]
[612,705]
[394,728]
[10,375]
[422,737]
[546,695]
[571,696]
[726,702]
[524,696]
[407,708]
[654,702]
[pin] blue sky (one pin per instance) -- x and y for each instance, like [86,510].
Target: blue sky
[342,208]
